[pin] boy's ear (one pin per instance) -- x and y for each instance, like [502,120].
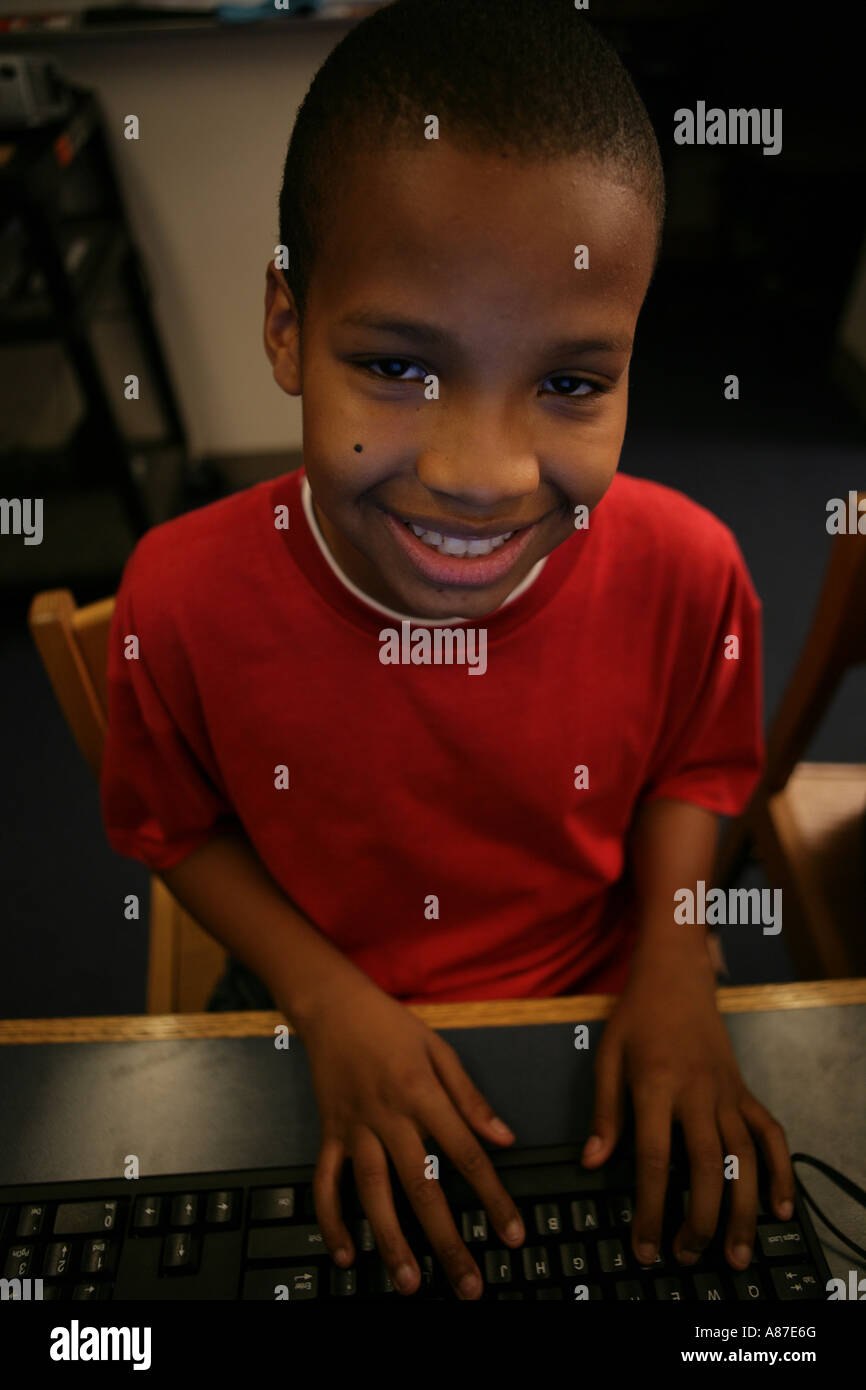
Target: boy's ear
[282,332]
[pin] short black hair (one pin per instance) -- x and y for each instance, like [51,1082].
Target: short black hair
[532,77]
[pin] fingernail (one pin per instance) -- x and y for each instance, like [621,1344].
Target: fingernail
[342,1255]
[404,1278]
[688,1257]
[514,1231]
[742,1254]
[592,1146]
[500,1130]
[646,1254]
[470,1285]
[786,1211]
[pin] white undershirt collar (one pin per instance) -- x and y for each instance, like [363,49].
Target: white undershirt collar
[307,502]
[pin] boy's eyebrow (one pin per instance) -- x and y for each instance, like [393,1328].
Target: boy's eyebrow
[431,333]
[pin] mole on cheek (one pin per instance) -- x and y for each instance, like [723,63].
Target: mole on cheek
[359,448]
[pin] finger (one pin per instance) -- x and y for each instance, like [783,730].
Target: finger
[774,1146]
[373,1182]
[653,1113]
[472,1105]
[707,1178]
[432,1210]
[443,1122]
[608,1105]
[326,1198]
[740,1239]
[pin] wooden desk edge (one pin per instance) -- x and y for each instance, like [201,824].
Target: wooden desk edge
[577,1008]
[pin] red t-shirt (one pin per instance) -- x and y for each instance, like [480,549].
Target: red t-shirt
[421,789]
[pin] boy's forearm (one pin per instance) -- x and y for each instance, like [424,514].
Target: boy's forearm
[673,845]
[230,893]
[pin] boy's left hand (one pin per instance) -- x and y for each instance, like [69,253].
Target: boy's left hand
[665,1038]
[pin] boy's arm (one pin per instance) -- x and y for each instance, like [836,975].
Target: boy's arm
[665,1038]
[229,892]
[383,1080]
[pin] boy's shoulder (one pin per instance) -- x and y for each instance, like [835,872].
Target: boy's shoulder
[662,530]
[185,555]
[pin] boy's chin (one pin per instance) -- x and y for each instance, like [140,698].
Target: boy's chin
[435,604]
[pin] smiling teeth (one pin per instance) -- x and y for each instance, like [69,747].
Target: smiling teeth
[456,545]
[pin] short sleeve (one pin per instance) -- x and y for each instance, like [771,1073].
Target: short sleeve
[159,801]
[712,752]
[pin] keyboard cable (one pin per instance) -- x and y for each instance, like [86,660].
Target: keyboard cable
[849,1187]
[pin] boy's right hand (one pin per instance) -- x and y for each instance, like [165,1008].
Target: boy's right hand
[384,1082]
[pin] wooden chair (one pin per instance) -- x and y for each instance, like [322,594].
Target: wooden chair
[184,962]
[807,821]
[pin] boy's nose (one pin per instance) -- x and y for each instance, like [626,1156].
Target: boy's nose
[489,477]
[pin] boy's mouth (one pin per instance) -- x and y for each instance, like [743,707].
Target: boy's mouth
[472,559]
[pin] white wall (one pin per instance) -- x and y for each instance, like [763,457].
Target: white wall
[201,188]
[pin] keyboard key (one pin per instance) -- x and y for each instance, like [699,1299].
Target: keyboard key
[220,1208]
[782,1238]
[629,1289]
[554,1293]
[793,1282]
[179,1252]
[272,1204]
[658,1264]
[93,1292]
[30,1219]
[620,1211]
[377,1281]
[344,1282]
[748,1287]
[184,1210]
[362,1234]
[98,1256]
[535,1263]
[669,1289]
[612,1256]
[19,1262]
[58,1260]
[85,1218]
[285,1242]
[708,1288]
[584,1214]
[573,1259]
[146,1213]
[299,1282]
[548,1221]
[497,1267]
[474,1227]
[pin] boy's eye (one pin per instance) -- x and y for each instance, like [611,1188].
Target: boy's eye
[585,387]
[400,364]
[396,367]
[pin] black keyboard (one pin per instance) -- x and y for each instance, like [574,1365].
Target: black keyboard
[252,1234]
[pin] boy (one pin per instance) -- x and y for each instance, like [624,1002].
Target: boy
[472,202]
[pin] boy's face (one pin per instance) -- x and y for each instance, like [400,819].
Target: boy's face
[530,357]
